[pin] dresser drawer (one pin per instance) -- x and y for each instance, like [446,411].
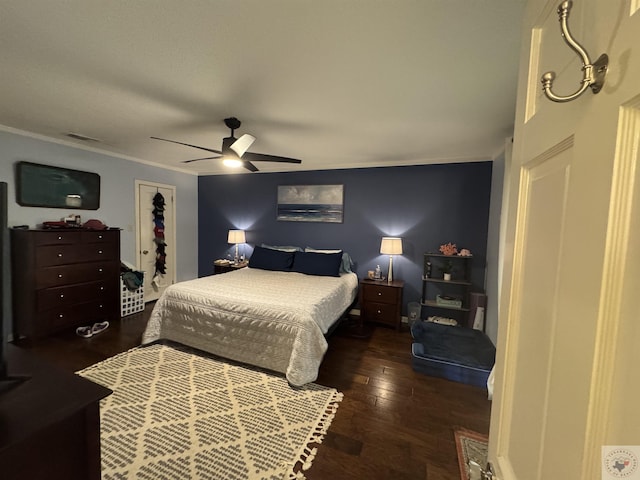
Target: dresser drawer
[95,252]
[71,274]
[379,294]
[62,297]
[82,314]
[55,237]
[101,236]
[50,255]
[382,313]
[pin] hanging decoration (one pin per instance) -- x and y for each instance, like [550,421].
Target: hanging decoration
[158,230]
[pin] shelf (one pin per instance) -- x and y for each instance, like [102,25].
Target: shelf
[440,255]
[431,303]
[450,282]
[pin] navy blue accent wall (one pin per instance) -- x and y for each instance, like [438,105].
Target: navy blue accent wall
[426,205]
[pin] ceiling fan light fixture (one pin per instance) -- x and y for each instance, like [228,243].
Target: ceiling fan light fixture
[232,162]
[242,144]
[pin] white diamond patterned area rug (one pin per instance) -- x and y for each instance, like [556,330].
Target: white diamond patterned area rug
[175,414]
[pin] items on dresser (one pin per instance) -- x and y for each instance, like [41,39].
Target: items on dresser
[64,279]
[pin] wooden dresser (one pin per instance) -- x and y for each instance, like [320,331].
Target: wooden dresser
[63,279]
[50,422]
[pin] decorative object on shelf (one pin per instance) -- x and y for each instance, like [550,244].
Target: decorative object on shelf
[448,301]
[443,320]
[465,253]
[237,237]
[391,246]
[448,249]
[593,73]
[447,269]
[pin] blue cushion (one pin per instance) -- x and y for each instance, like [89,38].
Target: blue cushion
[269,259]
[345,266]
[311,263]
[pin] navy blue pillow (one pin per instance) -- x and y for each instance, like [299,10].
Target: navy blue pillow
[326,264]
[269,259]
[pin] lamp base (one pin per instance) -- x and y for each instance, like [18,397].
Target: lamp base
[390,275]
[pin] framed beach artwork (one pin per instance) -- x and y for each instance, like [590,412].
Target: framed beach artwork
[311,203]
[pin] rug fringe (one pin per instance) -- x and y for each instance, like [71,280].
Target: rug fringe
[309,451]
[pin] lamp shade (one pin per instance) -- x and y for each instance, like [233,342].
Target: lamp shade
[236,236]
[391,246]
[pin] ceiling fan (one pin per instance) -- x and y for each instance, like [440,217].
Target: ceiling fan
[234,150]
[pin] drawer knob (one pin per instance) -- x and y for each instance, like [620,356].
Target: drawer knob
[99,252]
[59,275]
[62,295]
[59,237]
[379,293]
[59,255]
[100,237]
[100,306]
[101,288]
[379,311]
[61,316]
[100,270]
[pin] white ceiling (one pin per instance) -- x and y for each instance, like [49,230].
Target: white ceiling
[336,83]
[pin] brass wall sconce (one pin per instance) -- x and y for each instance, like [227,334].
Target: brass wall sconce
[593,73]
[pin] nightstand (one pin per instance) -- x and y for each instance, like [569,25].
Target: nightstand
[381,301]
[229,267]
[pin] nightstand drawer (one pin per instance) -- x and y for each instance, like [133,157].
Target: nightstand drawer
[380,294]
[382,313]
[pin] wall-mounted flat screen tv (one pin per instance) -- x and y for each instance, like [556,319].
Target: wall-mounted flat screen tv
[55,187]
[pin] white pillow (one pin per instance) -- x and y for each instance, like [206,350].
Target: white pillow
[283,248]
[315,250]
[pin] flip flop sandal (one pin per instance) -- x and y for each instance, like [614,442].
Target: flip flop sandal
[99,327]
[85,332]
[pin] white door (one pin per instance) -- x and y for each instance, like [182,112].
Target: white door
[567,372]
[147,228]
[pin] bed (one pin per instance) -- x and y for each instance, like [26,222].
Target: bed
[269,318]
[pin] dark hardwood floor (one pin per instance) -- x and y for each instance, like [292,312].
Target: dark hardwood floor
[393,423]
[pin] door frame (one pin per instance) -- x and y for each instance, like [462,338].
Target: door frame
[171,261]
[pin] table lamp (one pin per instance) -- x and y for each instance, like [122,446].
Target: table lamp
[391,246]
[236,237]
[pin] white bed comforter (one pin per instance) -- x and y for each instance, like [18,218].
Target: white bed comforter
[274,320]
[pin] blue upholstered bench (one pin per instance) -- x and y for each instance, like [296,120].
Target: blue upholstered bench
[455,353]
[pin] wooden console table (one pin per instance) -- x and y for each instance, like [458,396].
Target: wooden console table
[49,423]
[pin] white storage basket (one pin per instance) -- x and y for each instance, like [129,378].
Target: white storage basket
[130,301]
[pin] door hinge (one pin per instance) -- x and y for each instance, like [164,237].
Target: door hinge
[476,472]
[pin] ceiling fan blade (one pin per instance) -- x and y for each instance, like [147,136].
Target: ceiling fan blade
[261,157]
[196,159]
[242,144]
[188,145]
[249,166]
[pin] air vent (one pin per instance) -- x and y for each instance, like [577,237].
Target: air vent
[84,138]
